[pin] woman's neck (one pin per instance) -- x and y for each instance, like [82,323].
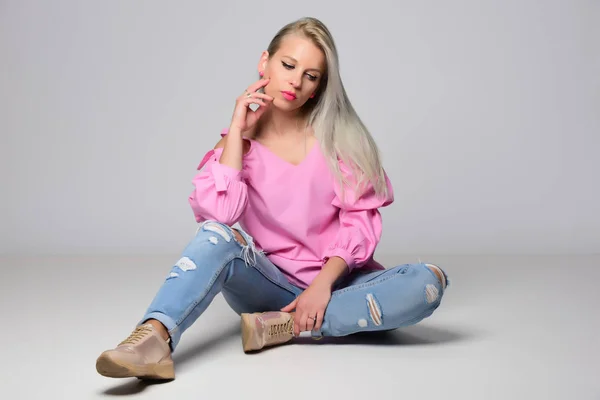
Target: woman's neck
[281,125]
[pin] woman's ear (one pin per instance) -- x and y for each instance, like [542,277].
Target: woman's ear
[262,63]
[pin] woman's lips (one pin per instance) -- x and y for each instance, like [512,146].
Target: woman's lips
[289,96]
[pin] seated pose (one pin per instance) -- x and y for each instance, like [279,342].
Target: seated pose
[302,177]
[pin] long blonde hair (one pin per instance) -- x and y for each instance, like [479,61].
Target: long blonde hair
[336,124]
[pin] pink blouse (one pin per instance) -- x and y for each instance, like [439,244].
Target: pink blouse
[294,213]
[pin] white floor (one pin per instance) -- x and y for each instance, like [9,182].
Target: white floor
[508,328]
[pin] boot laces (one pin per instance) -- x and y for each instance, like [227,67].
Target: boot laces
[281,329]
[138,334]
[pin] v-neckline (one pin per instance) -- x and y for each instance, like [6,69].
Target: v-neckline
[308,154]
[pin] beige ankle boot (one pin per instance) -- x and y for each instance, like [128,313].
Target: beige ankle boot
[266,329]
[144,354]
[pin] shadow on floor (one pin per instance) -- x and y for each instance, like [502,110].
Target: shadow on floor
[130,387]
[134,386]
[414,335]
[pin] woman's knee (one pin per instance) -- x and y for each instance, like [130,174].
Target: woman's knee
[439,273]
[239,237]
[224,232]
[214,246]
[423,290]
[225,239]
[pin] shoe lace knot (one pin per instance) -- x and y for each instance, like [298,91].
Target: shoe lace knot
[138,334]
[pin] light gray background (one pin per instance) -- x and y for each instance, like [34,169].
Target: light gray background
[487,114]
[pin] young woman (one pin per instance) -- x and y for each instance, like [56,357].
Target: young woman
[303,178]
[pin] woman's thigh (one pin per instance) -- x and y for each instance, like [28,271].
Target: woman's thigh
[257,286]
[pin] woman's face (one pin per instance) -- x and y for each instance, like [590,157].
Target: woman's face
[295,72]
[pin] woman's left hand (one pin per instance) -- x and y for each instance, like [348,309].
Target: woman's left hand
[311,303]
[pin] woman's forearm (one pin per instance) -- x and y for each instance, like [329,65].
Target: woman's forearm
[334,269]
[233,149]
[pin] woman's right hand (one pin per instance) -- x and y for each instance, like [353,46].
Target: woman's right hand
[244,118]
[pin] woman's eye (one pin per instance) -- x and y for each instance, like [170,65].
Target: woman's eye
[288,66]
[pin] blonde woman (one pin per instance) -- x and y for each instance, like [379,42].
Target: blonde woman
[303,178]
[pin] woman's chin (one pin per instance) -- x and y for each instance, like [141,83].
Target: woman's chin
[279,105]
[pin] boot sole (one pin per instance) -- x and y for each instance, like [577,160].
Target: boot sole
[111,368]
[249,342]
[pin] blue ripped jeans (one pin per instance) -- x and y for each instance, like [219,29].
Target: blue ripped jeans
[215,261]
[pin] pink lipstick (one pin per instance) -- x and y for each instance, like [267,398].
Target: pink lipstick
[289,96]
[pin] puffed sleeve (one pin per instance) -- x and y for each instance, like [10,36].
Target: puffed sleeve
[360,222]
[220,192]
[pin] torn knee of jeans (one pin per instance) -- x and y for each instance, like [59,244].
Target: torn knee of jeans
[374,310]
[441,275]
[239,238]
[431,293]
[216,227]
[248,248]
[249,252]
